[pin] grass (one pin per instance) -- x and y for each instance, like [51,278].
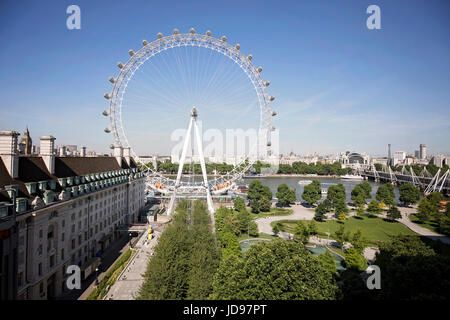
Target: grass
[373,229]
[273,212]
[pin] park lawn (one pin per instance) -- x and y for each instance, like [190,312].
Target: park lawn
[273,212]
[373,229]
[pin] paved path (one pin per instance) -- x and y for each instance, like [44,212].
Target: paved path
[130,280]
[299,213]
[417,228]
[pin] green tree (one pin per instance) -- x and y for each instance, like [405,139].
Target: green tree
[328,262]
[285,195]
[336,194]
[229,244]
[313,229]
[340,235]
[243,218]
[301,232]
[312,193]
[411,270]
[264,204]
[393,213]
[239,204]
[320,210]
[386,194]
[374,207]
[357,241]
[354,260]
[409,194]
[231,224]
[259,195]
[426,210]
[341,207]
[276,229]
[274,270]
[253,229]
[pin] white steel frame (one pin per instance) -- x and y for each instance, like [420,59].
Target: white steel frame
[137,59]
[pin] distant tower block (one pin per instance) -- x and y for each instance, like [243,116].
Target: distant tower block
[423,151]
[389,161]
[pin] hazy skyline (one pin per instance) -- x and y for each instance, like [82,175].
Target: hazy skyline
[338,85]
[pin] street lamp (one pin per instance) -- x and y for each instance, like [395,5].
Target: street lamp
[130,238]
[96,276]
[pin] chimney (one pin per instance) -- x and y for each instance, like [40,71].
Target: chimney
[62,151]
[389,161]
[83,151]
[127,156]
[47,152]
[118,153]
[9,153]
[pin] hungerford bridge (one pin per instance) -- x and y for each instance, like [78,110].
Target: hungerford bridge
[428,183]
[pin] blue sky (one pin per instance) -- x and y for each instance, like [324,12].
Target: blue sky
[338,85]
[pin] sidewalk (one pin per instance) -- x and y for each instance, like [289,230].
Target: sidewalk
[130,280]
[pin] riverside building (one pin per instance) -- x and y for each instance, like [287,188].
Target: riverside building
[67,212]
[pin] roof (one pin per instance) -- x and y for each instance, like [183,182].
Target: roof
[33,169]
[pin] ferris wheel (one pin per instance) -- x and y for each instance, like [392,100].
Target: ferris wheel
[179,78]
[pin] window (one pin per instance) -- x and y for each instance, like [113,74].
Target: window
[40,249]
[41,287]
[62,254]
[40,234]
[40,269]
[52,261]
[73,243]
[62,237]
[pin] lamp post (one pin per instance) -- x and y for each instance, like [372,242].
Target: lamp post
[130,238]
[96,276]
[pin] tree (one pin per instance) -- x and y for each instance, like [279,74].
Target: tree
[321,210]
[360,203]
[340,235]
[301,232]
[276,229]
[229,244]
[253,229]
[409,194]
[354,260]
[341,207]
[259,195]
[386,194]
[426,210]
[374,207]
[243,218]
[357,241]
[341,217]
[336,194]
[231,224]
[264,204]
[312,228]
[425,275]
[328,262]
[239,204]
[277,269]
[393,213]
[312,193]
[285,195]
